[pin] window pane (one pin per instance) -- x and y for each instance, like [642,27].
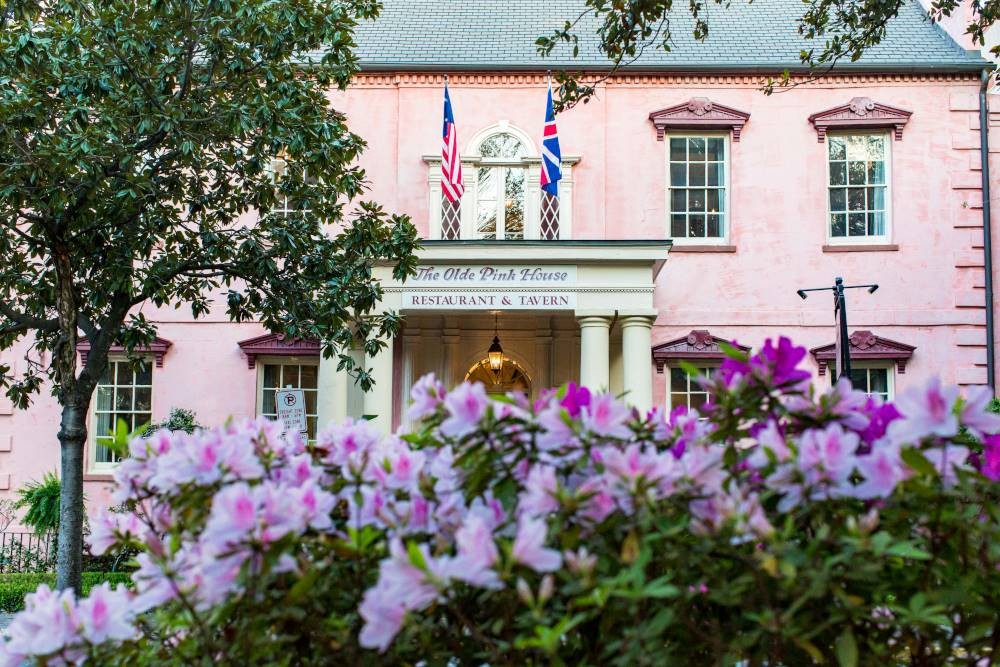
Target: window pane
[857,148]
[876,173]
[105,396]
[876,223]
[310,397]
[272,375]
[856,172]
[123,398]
[838,150]
[123,374]
[678,379]
[678,174]
[696,200]
[677,399]
[678,149]
[696,174]
[876,199]
[857,224]
[716,173]
[879,380]
[698,400]
[838,199]
[714,225]
[678,200]
[696,149]
[838,173]
[876,147]
[856,199]
[859,378]
[715,149]
[514,212]
[678,225]
[712,201]
[309,375]
[697,224]
[838,224]
[289,376]
[144,374]
[267,404]
[144,399]
[502,145]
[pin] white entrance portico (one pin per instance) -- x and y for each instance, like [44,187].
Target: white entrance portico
[563,310]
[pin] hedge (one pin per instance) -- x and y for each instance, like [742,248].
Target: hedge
[14,586]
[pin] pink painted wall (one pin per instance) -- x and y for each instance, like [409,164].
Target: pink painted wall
[931,292]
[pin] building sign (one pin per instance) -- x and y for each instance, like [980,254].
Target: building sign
[491,287]
[291,404]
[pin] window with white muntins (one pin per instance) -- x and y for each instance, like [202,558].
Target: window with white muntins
[858,180]
[287,374]
[874,380]
[684,389]
[698,184]
[503,199]
[124,394]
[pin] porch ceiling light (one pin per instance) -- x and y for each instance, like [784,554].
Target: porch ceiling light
[495,353]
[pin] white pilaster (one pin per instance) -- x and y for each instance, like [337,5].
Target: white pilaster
[378,400]
[637,369]
[332,392]
[595,368]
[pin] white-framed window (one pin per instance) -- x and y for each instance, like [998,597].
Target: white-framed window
[286,205]
[698,187]
[288,373]
[874,379]
[858,187]
[503,199]
[683,389]
[124,393]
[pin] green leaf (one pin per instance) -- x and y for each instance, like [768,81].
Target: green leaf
[907,550]
[917,461]
[847,649]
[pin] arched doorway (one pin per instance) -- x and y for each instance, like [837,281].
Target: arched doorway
[512,377]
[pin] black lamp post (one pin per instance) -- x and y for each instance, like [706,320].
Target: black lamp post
[840,315]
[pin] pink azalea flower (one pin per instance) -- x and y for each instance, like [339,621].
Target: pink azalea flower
[48,623]
[580,561]
[315,504]
[946,459]
[927,411]
[539,495]
[769,439]
[882,469]
[466,406]
[477,554]
[106,527]
[383,619]
[105,615]
[991,457]
[529,546]
[975,413]
[347,442]
[153,586]
[556,431]
[606,416]
[233,515]
[427,395]
[827,455]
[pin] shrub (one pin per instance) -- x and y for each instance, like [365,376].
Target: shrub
[777,527]
[180,419]
[41,498]
[13,587]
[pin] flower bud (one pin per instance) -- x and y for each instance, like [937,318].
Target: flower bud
[546,589]
[524,592]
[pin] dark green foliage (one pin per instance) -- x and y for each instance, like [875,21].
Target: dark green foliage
[42,502]
[179,420]
[13,587]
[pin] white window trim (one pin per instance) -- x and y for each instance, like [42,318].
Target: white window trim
[532,164]
[669,384]
[728,219]
[296,360]
[888,365]
[859,240]
[95,467]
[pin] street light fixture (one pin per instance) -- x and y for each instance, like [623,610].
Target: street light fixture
[840,314]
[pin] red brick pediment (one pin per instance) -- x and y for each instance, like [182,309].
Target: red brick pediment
[699,113]
[860,113]
[699,345]
[866,346]
[278,345]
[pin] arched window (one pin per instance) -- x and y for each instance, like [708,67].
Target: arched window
[500,193]
[503,199]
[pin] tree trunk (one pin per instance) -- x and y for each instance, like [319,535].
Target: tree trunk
[72,436]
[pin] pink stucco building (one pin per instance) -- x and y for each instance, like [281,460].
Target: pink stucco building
[692,207]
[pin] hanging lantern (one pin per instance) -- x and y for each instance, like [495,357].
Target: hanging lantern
[495,355]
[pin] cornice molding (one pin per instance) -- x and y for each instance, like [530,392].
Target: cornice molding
[860,113]
[699,113]
[157,349]
[277,345]
[866,346]
[699,345]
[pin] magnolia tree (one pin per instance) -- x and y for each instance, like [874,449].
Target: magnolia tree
[777,526]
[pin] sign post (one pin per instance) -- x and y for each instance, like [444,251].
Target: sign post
[291,404]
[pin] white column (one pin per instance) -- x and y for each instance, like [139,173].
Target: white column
[332,392]
[637,368]
[595,368]
[378,400]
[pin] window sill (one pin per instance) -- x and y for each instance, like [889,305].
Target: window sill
[861,247]
[98,477]
[702,248]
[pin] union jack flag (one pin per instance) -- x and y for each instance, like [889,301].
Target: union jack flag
[551,155]
[451,164]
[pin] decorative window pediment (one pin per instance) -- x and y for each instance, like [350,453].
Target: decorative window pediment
[866,346]
[697,346]
[699,113]
[278,345]
[157,349]
[860,113]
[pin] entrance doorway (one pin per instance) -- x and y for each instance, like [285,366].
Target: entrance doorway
[512,377]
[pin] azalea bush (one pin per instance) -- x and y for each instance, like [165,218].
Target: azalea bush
[778,526]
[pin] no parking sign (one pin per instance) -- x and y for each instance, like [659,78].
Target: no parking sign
[291,410]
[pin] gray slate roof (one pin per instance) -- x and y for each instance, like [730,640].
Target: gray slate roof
[501,34]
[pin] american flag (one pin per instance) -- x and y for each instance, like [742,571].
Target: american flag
[451,164]
[551,155]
